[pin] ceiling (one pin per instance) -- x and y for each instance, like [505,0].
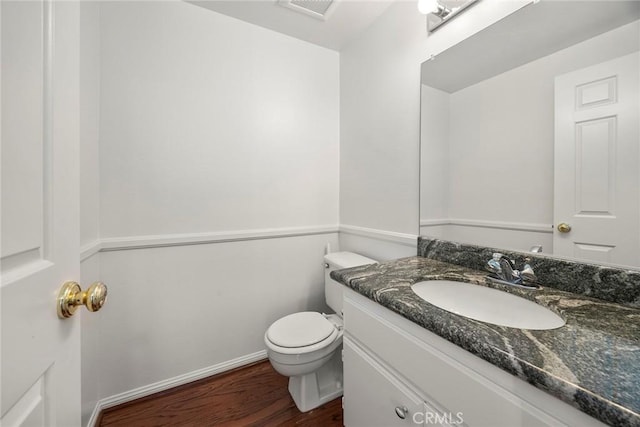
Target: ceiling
[343,22]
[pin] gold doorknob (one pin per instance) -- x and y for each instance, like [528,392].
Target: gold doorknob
[563,227]
[71,297]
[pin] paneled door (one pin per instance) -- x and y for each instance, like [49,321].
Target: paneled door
[40,353]
[597,162]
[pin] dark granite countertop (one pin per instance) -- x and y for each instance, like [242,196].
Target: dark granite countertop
[592,363]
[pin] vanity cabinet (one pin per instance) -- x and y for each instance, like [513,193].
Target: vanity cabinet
[391,363]
[375,395]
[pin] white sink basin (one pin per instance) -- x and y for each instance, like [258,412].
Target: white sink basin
[487,305]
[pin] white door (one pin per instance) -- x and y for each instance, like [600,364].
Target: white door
[40,353]
[597,172]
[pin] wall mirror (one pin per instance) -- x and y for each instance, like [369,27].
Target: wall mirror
[530,134]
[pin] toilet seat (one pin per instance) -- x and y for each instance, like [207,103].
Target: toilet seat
[300,333]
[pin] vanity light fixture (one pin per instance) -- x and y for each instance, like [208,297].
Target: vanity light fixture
[433,6]
[441,11]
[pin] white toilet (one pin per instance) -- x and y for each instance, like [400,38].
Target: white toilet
[307,346]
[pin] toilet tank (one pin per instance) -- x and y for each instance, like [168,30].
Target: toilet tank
[336,261]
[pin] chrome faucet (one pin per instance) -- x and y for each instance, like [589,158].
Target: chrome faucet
[509,272]
[505,270]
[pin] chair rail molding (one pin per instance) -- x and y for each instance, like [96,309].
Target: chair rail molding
[503,225]
[182,239]
[390,236]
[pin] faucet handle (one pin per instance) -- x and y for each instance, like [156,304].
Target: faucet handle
[493,264]
[527,274]
[498,256]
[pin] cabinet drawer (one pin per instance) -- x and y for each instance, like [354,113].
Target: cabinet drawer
[372,395]
[445,381]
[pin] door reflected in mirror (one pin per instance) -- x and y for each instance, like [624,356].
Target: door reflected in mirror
[534,122]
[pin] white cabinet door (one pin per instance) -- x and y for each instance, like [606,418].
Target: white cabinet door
[374,397]
[597,167]
[40,353]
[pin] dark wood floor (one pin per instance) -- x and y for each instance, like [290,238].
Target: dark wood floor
[255,395]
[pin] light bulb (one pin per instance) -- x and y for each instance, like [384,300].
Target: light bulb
[427,6]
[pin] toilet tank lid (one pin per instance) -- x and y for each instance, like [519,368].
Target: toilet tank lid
[347,259]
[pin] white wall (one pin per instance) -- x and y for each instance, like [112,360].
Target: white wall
[380,119]
[379,135]
[219,164]
[212,124]
[434,155]
[175,310]
[502,128]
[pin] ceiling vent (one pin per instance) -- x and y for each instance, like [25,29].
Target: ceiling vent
[319,9]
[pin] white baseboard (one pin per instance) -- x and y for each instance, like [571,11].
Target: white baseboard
[159,386]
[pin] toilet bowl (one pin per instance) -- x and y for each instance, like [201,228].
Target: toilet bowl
[306,346]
